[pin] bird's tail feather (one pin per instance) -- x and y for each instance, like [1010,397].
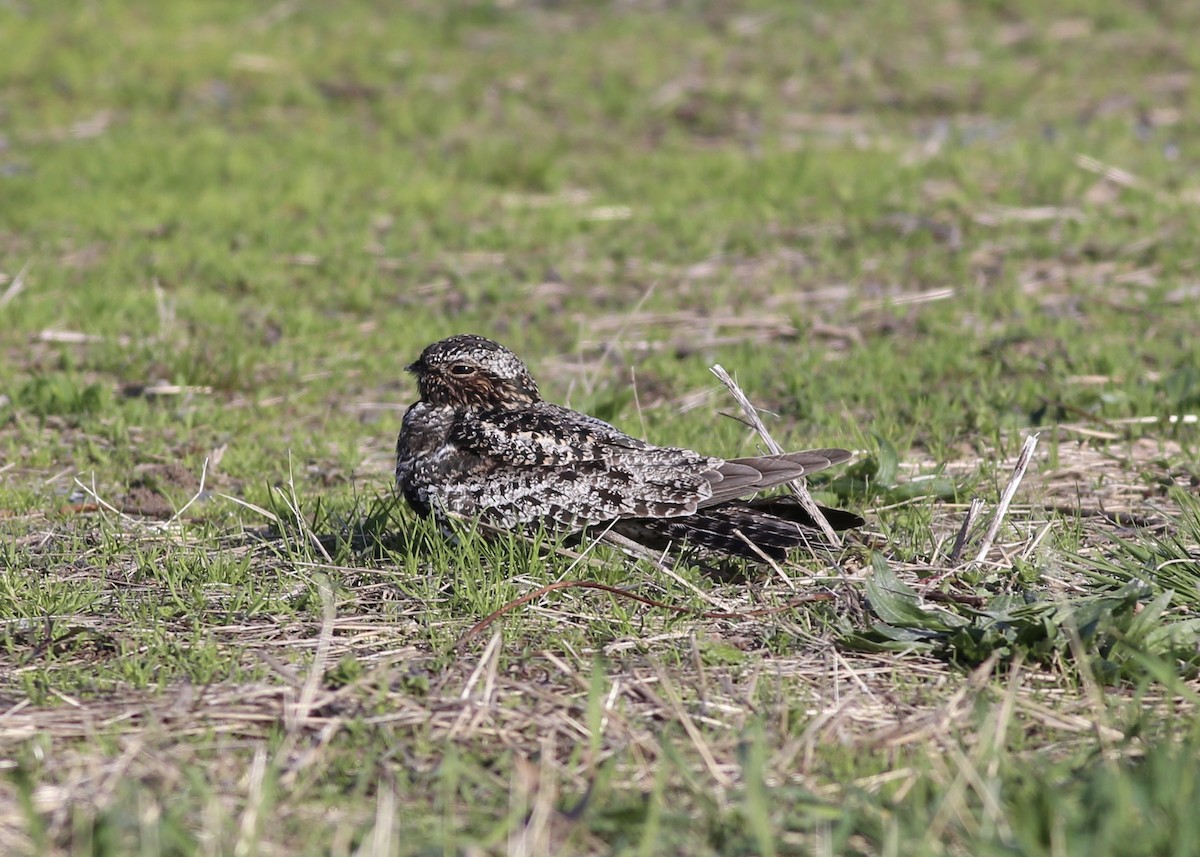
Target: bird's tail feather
[732,528]
[738,477]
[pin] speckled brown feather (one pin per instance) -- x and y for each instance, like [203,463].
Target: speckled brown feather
[482,443]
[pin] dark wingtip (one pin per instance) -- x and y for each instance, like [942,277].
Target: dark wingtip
[840,519]
[834,456]
[788,509]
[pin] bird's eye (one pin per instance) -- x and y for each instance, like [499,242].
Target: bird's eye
[461,369]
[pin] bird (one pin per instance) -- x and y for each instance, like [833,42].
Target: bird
[481,443]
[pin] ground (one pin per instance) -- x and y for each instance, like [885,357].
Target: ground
[925,232]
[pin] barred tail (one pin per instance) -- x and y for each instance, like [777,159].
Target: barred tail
[773,526]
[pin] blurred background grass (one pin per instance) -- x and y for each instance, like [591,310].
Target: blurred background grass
[286,202]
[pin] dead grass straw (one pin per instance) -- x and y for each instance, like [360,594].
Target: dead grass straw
[797,486]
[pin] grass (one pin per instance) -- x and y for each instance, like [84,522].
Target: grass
[922,233]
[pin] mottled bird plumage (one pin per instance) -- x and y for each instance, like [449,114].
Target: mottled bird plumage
[482,443]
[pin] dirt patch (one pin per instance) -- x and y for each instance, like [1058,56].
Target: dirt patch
[157,489]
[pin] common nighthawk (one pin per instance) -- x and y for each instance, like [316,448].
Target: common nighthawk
[482,443]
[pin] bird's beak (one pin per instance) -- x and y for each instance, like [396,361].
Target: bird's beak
[413,367]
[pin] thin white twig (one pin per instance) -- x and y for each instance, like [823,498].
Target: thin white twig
[490,653]
[797,485]
[248,826]
[960,543]
[14,288]
[720,604]
[100,501]
[765,558]
[195,497]
[587,549]
[1007,495]
[270,516]
[293,504]
[316,672]
[383,839]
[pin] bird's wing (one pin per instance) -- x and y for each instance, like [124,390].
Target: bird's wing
[542,434]
[549,464]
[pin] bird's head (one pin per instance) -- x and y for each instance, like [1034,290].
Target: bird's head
[468,371]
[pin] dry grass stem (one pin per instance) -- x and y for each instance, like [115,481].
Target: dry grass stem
[797,486]
[964,532]
[1006,496]
[15,287]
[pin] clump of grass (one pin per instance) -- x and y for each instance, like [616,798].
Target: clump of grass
[60,395]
